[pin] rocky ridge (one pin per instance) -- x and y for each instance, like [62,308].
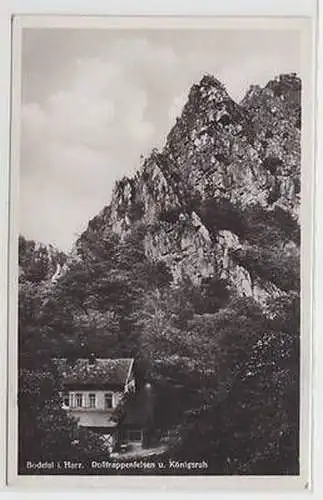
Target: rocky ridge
[220,159]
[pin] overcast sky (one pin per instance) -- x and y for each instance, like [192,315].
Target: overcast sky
[93,101]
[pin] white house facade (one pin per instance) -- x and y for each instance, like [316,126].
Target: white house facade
[93,389]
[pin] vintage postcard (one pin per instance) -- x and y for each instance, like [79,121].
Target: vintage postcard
[161,242]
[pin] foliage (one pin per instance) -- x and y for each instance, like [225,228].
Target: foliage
[209,353]
[36,262]
[213,293]
[273,265]
[170,215]
[268,228]
[249,421]
[272,164]
[39,415]
[46,431]
[220,213]
[136,211]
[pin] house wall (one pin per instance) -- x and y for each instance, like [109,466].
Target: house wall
[99,399]
[99,416]
[131,383]
[93,417]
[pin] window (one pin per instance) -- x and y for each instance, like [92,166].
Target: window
[78,400]
[92,400]
[66,399]
[134,435]
[108,401]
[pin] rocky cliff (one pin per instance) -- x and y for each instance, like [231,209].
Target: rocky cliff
[222,197]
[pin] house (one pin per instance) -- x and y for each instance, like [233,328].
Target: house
[101,394]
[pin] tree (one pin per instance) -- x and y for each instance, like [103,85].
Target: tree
[45,430]
[248,422]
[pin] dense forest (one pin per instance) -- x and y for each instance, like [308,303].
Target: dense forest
[193,270]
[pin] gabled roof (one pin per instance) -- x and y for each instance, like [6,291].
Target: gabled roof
[98,373]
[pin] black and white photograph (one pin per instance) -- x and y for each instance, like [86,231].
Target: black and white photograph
[159,293]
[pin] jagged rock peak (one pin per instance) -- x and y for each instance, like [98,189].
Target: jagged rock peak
[284,82]
[209,90]
[285,88]
[221,160]
[209,83]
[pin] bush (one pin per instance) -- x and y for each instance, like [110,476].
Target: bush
[272,265]
[272,164]
[170,215]
[213,294]
[287,224]
[270,227]
[225,120]
[136,211]
[159,274]
[95,223]
[222,159]
[220,213]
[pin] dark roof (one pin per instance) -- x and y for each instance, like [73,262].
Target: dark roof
[100,372]
[139,411]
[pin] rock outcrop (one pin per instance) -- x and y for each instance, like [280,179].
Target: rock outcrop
[219,160]
[39,262]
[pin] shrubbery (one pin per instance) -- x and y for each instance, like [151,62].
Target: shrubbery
[220,213]
[269,228]
[272,164]
[272,265]
[136,211]
[170,215]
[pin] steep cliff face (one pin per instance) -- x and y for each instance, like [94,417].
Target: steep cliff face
[219,161]
[275,113]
